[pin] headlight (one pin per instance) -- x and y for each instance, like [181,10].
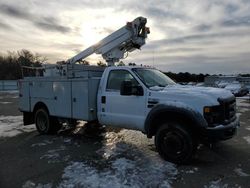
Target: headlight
[213,114]
[207,109]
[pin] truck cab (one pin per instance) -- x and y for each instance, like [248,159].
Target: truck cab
[147,100]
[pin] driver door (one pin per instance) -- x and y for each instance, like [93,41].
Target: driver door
[119,110]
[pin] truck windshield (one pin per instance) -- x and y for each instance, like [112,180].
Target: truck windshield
[153,78]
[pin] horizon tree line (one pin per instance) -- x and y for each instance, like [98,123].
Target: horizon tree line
[11,66]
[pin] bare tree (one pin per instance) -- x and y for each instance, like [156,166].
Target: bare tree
[10,64]
[131,64]
[84,62]
[121,63]
[101,64]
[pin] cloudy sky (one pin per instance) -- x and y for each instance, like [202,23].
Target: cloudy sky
[199,36]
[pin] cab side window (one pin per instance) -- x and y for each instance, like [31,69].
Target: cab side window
[116,77]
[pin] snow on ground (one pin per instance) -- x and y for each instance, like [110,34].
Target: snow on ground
[44,143]
[9,92]
[13,125]
[244,97]
[243,105]
[243,123]
[239,172]
[243,110]
[126,161]
[54,156]
[30,184]
[247,138]
[216,184]
[248,128]
[191,171]
[5,102]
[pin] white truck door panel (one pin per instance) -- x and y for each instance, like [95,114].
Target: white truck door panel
[41,89]
[84,94]
[125,111]
[62,98]
[80,99]
[24,93]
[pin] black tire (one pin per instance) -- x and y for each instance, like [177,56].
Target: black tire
[174,143]
[44,123]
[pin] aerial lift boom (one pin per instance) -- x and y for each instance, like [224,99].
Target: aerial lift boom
[113,47]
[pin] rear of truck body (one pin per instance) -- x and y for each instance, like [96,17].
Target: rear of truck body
[63,97]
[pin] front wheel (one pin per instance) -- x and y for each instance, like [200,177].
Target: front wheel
[44,123]
[174,143]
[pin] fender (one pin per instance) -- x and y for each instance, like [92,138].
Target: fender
[170,111]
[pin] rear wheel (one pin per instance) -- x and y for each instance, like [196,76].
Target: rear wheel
[46,124]
[174,143]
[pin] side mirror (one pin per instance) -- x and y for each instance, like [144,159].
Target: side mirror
[128,89]
[139,91]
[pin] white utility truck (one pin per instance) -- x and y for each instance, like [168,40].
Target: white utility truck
[129,97]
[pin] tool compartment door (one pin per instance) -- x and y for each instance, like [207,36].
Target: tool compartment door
[80,99]
[62,98]
[24,96]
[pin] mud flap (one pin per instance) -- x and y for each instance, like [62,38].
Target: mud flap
[28,118]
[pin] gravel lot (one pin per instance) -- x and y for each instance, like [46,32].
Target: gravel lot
[112,158]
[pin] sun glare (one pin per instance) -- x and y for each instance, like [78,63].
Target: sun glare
[92,31]
[89,35]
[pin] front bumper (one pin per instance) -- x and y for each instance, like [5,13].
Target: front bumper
[221,132]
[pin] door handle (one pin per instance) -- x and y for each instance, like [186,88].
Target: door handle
[74,99]
[103,100]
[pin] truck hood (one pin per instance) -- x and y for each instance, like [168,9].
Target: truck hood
[192,96]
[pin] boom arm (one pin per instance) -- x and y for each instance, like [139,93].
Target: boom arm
[113,47]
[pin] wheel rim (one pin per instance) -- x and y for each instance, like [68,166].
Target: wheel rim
[173,144]
[42,122]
